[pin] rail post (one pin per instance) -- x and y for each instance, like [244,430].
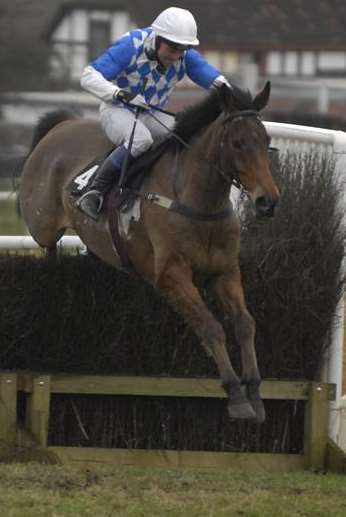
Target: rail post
[37,414]
[316,427]
[8,408]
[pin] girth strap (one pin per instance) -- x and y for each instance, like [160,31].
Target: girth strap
[187,211]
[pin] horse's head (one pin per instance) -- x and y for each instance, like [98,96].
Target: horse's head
[244,156]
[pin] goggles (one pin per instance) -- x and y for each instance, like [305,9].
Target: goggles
[174,45]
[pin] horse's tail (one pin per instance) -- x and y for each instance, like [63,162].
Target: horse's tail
[47,122]
[43,126]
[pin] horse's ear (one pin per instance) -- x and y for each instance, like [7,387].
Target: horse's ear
[261,100]
[225,97]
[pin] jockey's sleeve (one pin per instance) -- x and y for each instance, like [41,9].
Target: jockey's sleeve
[94,82]
[199,70]
[116,58]
[97,77]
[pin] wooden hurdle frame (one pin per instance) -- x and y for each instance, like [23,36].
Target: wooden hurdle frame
[40,387]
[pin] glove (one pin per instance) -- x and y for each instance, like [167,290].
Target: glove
[139,101]
[219,81]
[130,98]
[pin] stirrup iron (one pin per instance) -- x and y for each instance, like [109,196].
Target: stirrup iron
[91,211]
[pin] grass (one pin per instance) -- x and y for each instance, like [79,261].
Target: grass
[10,221]
[52,490]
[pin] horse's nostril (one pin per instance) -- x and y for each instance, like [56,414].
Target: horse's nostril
[265,206]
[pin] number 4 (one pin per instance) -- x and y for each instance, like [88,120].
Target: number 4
[84,178]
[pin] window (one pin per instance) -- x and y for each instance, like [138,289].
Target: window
[308,63]
[100,33]
[291,63]
[274,63]
[331,63]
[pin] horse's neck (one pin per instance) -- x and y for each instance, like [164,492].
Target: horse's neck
[201,185]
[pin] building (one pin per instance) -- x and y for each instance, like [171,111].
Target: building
[300,45]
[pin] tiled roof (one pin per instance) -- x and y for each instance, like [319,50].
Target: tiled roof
[236,24]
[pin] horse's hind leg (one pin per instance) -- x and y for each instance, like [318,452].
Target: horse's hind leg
[230,296]
[44,218]
[176,285]
[40,200]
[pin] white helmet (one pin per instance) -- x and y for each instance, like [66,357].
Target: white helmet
[176,25]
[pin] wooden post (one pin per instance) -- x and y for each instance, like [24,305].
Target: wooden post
[316,427]
[37,416]
[8,408]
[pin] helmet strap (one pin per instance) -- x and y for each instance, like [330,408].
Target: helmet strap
[152,55]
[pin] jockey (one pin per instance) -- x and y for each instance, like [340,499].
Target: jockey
[142,67]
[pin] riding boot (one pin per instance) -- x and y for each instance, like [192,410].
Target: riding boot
[91,201]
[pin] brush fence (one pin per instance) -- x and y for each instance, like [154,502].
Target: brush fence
[39,388]
[321,406]
[294,138]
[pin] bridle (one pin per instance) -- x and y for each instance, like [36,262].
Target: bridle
[230,118]
[176,205]
[183,209]
[234,179]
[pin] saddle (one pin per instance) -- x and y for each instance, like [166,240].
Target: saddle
[118,202]
[125,197]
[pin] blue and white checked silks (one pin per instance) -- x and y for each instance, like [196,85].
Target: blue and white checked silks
[126,64]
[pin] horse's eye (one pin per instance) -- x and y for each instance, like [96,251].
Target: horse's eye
[237,144]
[273,150]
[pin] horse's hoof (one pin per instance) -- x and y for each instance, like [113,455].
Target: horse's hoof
[253,396]
[242,411]
[258,407]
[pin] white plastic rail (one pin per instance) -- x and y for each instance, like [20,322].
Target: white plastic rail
[305,138]
[22,242]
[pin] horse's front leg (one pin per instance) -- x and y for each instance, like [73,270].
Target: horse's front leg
[175,283]
[230,296]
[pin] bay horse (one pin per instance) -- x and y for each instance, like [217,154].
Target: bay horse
[225,142]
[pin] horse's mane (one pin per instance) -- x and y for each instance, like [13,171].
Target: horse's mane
[191,121]
[194,119]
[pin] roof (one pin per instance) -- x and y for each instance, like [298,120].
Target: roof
[244,25]
[261,24]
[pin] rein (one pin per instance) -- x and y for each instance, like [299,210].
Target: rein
[180,208]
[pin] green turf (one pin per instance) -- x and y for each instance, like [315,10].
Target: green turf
[10,221]
[34,490]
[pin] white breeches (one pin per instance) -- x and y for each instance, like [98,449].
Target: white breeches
[118,123]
